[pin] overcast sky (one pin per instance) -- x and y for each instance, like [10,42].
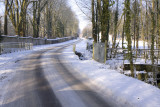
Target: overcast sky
[1,9]
[82,18]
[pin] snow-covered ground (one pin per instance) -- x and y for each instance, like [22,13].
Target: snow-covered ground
[8,63]
[120,89]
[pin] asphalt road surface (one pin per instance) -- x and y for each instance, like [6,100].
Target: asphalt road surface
[42,80]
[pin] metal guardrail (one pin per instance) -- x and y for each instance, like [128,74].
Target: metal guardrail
[9,47]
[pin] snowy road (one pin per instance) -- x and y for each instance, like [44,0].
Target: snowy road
[42,80]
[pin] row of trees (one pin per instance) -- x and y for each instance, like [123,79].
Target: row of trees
[101,22]
[138,19]
[40,18]
[87,31]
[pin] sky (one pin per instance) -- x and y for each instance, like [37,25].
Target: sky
[83,22]
[1,9]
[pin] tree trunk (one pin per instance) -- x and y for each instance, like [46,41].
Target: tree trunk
[142,31]
[34,20]
[115,26]
[147,24]
[97,21]
[127,32]
[105,21]
[99,14]
[17,13]
[5,18]
[158,25]
[0,28]
[153,31]
[38,18]
[93,22]
[24,23]
[123,32]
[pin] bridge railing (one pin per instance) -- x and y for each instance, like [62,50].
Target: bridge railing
[9,47]
[122,54]
[11,44]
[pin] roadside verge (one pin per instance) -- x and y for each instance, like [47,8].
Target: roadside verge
[118,89]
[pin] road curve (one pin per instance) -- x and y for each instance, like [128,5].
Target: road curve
[29,88]
[42,80]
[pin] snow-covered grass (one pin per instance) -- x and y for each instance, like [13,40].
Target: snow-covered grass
[118,89]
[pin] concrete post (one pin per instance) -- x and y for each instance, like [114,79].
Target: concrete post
[1,49]
[74,48]
[93,50]
[105,50]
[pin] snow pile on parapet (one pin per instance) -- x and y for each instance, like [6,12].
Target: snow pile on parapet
[118,89]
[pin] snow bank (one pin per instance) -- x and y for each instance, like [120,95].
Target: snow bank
[118,89]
